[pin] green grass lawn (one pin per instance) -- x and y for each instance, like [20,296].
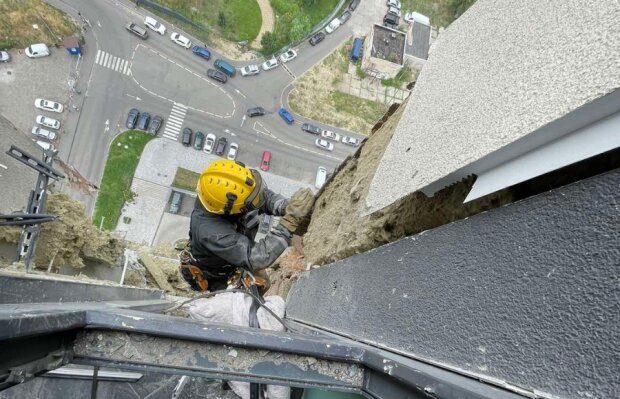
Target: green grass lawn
[441,12]
[115,187]
[242,18]
[185,179]
[295,19]
[17,18]
[368,110]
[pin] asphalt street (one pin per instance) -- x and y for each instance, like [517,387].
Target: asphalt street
[121,71]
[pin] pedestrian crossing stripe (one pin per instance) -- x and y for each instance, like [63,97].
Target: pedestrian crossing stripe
[112,62]
[174,123]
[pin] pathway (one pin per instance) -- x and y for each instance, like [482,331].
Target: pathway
[268,21]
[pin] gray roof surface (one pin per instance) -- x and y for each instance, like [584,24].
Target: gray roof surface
[498,73]
[16,179]
[421,35]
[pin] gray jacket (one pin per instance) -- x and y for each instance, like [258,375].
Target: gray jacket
[221,243]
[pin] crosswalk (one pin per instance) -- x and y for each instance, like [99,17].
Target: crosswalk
[112,62]
[175,121]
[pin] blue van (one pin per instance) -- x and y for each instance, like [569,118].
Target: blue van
[356,52]
[288,118]
[225,67]
[201,52]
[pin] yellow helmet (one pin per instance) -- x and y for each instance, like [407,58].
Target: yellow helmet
[228,187]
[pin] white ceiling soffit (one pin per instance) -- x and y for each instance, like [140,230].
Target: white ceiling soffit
[584,143]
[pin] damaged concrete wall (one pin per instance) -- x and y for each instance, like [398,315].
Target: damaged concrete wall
[337,229]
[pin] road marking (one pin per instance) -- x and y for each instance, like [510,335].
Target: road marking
[175,121]
[107,125]
[242,120]
[114,63]
[240,93]
[134,97]
[186,107]
[289,71]
[99,24]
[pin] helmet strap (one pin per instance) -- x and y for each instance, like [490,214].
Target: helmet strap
[230,201]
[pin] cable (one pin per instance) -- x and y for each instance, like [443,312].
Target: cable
[214,293]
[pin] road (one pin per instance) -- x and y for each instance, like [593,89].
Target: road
[120,71]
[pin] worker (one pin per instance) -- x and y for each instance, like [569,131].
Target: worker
[225,220]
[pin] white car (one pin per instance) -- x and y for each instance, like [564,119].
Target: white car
[329,135]
[249,70]
[46,146]
[180,40]
[48,122]
[154,24]
[289,55]
[37,131]
[394,11]
[394,3]
[209,143]
[270,64]
[48,105]
[4,56]
[335,24]
[417,17]
[324,144]
[348,140]
[232,151]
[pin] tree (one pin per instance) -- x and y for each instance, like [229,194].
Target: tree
[299,28]
[269,42]
[221,19]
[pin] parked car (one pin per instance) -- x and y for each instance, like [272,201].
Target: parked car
[37,50]
[288,118]
[143,121]
[4,56]
[345,17]
[155,124]
[288,56]
[269,64]
[48,105]
[40,132]
[186,138]
[348,140]
[153,24]
[393,3]
[329,135]
[217,75]
[137,30]
[132,118]
[199,140]
[335,24]
[232,151]
[256,111]
[225,67]
[265,161]
[307,127]
[324,144]
[209,143]
[201,52]
[321,176]
[249,70]
[354,5]
[412,17]
[221,145]
[390,20]
[46,145]
[175,202]
[316,39]
[394,11]
[48,122]
[180,40]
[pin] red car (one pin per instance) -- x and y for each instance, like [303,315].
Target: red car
[264,165]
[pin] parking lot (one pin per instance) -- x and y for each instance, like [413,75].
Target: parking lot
[29,78]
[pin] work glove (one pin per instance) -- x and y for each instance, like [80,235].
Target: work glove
[298,209]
